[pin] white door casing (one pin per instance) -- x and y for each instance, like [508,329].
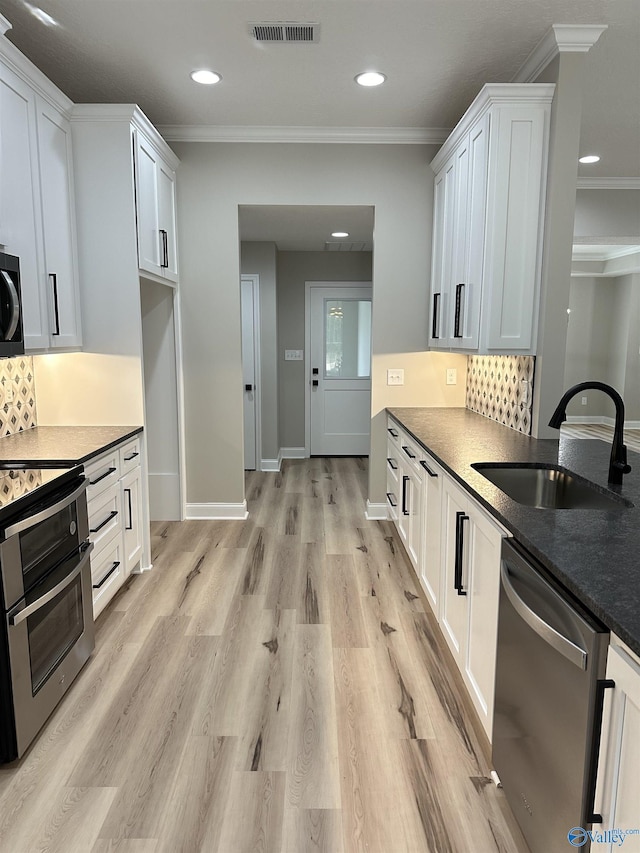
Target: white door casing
[338,343]
[249,309]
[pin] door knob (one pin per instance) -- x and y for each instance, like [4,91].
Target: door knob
[314,382]
[248,387]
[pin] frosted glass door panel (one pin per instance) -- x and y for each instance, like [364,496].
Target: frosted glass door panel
[347,338]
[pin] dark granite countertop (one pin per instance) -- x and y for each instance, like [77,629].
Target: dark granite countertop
[595,554]
[60,446]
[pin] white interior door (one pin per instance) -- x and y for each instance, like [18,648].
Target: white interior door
[250,349]
[339,322]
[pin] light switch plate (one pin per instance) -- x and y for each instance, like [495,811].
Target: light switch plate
[452,376]
[395,376]
[294,355]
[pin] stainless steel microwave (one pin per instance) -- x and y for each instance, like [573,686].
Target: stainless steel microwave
[11,332]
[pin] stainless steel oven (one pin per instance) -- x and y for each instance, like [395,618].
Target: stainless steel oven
[11,334]
[48,631]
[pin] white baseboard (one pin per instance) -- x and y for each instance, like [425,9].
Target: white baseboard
[376,512]
[215,512]
[271,464]
[599,420]
[293,453]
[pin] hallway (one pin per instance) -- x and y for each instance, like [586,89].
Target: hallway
[272,685]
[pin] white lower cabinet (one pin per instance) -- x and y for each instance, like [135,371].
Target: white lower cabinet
[455,546]
[618,791]
[114,504]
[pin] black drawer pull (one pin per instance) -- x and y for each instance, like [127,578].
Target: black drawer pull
[105,522]
[133,456]
[393,432]
[392,464]
[407,450]
[461,517]
[108,575]
[101,477]
[405,480]
[427,469]
[391,499]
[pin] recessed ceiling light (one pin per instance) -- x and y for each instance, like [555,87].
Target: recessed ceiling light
[207,78]
[590,158]
[370,78]
[339,233]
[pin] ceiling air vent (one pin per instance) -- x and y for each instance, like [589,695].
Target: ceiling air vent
[285,32]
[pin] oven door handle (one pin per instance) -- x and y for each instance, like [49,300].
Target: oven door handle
[49,512]
[14,307]
[23,614]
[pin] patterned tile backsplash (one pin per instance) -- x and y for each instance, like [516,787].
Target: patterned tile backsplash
[495,389]
[16,375]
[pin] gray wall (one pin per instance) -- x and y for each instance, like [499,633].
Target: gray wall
[602,343]
[613,214]
[215,179]
[294,268]
[260,259]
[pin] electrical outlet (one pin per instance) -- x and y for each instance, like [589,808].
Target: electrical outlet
[583,401]
[8,394]
[395,377]
[452,376]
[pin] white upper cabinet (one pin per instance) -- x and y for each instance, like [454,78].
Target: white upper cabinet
[489,191]
[62,305]
[37,222]
[156,211]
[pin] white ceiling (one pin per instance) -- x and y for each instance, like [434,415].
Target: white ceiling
[295,228]
[436,54]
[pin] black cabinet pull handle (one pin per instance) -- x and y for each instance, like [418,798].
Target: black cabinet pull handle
[129,526]
[392,463]
[108,575]
[456,323]
[105,522]
[405,480]
[601,685]
[461,517]
[102,476]
[427,469]
[391,499]
[56,309]
[408,452]
[435,332]
[133,456]
[393,432]
[165,249]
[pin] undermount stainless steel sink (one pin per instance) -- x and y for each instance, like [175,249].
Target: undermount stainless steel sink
[548,486]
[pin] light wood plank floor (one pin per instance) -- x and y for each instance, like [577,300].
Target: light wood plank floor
[272,685]
[602,432]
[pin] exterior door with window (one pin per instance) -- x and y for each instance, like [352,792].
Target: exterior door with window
[339,370]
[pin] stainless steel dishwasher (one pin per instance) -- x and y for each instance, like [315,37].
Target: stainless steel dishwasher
[548,704]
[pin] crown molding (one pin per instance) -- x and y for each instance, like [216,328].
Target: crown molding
[339,135]
[561,38]
[608,183]
[4,25]
[582,252]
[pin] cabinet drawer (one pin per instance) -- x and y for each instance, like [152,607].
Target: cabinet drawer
[102,473]
[107,574]
[410,451]
[129,455]
[105,516]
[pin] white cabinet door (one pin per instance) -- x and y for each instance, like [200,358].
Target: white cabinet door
[430,568]
[132,511]
[618,796]
[442,255]
[149,238]
[20,222]
[167,220]
[455,577]
[60,280]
